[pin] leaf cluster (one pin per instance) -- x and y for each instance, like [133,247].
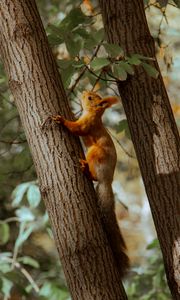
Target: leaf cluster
[149,283]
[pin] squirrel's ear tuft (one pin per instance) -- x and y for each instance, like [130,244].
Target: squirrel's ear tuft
[110,100]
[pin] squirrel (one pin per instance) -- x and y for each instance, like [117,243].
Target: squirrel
[99,165]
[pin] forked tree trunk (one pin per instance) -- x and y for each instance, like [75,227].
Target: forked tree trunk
[153,129]
[70,199]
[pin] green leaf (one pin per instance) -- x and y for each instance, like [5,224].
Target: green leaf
[55,36]
[98,35]
[53,29]
[123,126]
[90,43]
[151,71]
[119,72]
[73,44]
[67,76]
[25,214]
[134,60]
[82,32]
[99,62]
[5,254]
[5,267]
[153,244]
[128,68]
[54,40]
[24,233]
[19,192]
[33,195]
[27,260]
[53,292]
[113,50]
[4,233]
[73,19]
[64,63]
[94,39]
[6,287]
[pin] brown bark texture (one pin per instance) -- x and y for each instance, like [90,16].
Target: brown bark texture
[70,199]
[153,129]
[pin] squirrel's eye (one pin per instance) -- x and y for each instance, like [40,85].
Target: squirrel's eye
[89,98]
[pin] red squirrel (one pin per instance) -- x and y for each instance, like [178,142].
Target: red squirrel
[100,164]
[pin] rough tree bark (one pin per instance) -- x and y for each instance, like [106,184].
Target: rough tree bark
[70,199]
[153,129]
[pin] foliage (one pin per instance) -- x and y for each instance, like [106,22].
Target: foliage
[89,54]
[149,283]
[19,265]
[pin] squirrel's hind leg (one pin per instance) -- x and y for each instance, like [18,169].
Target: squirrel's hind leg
[85,168]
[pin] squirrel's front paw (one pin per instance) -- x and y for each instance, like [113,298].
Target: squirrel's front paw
[57,119]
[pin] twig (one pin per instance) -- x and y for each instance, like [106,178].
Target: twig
[122,147]
[9,220]
[97,76]
[13,142]
[97,80]
[24,272]
[84,70]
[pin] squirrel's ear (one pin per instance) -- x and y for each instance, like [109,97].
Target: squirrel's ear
[110,100]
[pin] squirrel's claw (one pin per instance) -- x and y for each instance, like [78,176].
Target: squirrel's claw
[57,119]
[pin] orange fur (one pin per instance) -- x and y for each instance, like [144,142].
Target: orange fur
[100,164]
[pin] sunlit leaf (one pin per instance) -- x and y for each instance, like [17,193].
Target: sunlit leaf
[99,62]
[24,233]
[53,292]
[19,192]
[25,214]
[33,195]
[5,267]
[6,287]
[27,260]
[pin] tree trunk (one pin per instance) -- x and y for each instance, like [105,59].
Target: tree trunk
[70,199]
[153,129]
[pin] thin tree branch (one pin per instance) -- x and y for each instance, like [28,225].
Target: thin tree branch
[27,275]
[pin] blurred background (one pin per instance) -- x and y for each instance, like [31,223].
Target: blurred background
[29,266]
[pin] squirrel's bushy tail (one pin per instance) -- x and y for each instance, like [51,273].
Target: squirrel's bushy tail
[115,238]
